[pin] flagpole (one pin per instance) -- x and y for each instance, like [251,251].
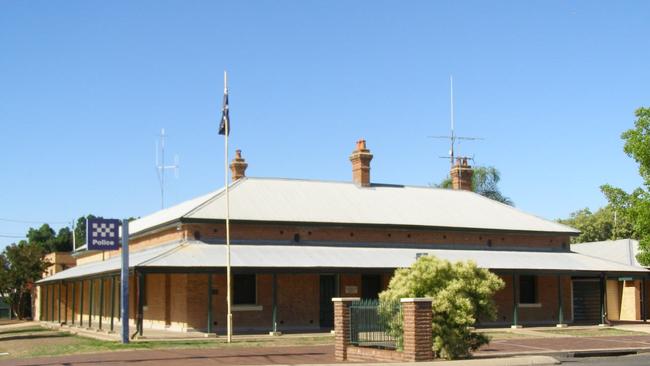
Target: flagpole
[228,286]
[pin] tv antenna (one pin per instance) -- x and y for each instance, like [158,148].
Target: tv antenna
[453,138]
[161,167]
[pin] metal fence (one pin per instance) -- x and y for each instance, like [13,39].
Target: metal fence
[375,324]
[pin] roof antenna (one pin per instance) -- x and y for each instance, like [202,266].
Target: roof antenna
[161,167]
[453,138]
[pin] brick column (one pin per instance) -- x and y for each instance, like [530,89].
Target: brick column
[418,340]
[342,326]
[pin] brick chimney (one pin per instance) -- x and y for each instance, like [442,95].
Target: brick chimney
[238,166]
[360,159]
[461,175]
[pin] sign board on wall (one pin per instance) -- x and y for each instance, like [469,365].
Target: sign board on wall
[103,234]
[351,290]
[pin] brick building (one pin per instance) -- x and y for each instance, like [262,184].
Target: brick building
[296,244]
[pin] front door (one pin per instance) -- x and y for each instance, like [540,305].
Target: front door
[370,286]
[327,288]
[586,300]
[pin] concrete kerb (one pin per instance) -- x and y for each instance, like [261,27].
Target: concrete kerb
[510,361]
[595,352]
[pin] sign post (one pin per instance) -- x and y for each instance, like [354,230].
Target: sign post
[125,281]
[103,234]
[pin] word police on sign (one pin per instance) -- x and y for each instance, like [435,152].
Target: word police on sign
[103,234]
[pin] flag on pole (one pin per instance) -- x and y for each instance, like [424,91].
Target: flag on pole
[224,126]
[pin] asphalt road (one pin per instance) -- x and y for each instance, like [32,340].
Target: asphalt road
[642,359]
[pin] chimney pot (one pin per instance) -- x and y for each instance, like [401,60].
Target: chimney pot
[360,159]
[238,166]
[461,175]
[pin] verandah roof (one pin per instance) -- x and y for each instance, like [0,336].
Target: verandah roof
[194,255]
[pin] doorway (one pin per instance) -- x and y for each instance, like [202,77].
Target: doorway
[327,292]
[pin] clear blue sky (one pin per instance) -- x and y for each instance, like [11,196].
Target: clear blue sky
[85,87]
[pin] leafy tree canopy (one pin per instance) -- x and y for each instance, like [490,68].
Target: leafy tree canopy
[635,206]
[608,223]
[485,181]
[20,266]
[50,241]
[461,293]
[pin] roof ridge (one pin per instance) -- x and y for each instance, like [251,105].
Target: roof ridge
[218,194]
[166,252]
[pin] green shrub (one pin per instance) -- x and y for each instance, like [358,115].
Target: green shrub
[461,293]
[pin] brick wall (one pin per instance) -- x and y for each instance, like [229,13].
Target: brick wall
[418,340]
[546,310]
[376,235]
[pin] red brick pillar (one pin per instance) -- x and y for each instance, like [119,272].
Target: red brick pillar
[418,340]
[342,326]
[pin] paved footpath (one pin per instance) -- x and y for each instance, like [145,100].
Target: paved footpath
[191,357]
[562,344]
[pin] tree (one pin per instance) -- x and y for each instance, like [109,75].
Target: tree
[20,266]
[461,293]
[608,223]
[636,205]
[485,182]
[80,228]
[49,241]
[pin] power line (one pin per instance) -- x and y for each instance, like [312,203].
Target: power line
[33,221]
[12,236]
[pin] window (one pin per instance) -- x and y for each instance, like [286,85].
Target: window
[527,289]
[245,289]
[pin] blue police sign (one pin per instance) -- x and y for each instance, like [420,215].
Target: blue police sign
[103,234]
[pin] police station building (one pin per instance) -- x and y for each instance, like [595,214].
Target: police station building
[296,244]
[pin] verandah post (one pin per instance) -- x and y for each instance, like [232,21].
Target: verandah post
[52,302]
[101,301]
[644,307]
[141,295]
[112,302]
[515,301]
[90,303]
[46,304]
[65,320]
[274,295]
[74,301]
[81,303]
[58,308]
[603,284]
[209,303]
[560,299]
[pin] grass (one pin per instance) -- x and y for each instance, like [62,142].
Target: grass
[592,332]
[42,342]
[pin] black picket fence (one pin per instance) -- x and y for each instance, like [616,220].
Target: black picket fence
[373,324]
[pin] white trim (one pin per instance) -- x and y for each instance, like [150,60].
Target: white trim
[247,308]
[340,299]
[416,299]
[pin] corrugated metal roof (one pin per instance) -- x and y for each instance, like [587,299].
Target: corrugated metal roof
[197,254]
[621,251]
[287,200]
[111,264]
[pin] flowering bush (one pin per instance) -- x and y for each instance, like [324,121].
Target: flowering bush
[461,293]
